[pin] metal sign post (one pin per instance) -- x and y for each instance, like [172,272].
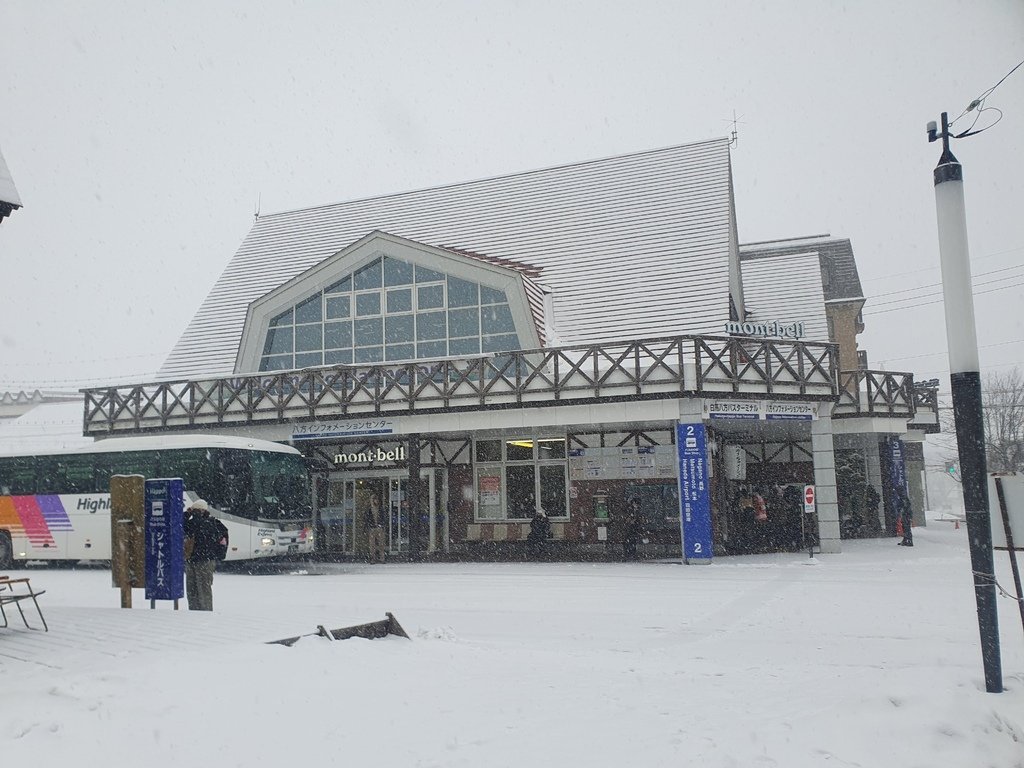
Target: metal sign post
[807,523]
[1016,486]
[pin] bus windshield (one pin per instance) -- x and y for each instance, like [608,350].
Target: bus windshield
[280,486]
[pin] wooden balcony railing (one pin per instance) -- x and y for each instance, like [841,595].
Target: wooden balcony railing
[875,393]
[670,367]
[926,408]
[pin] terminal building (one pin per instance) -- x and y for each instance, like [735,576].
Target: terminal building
[475,353]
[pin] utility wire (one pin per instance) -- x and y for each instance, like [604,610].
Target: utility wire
[1002,592]
[938,301]
[979,104]
[933,294]
[938,284]
[945,371]
[85,360]
[936,354]
[933,268]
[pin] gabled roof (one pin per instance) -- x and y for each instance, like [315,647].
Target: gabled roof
[787,288]
[630,246]
[838,265]
[9,199]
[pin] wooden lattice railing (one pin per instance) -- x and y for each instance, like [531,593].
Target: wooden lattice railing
[658,368]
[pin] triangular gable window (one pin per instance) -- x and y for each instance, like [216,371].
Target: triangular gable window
[390,310]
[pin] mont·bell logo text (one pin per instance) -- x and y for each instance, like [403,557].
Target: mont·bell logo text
[370,456]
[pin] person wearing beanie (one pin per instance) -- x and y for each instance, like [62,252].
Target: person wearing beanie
[205,543]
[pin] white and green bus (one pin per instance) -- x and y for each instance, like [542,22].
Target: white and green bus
[55,506]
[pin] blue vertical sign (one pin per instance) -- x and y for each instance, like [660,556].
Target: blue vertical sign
[165,539]
[694,492]
[897,463]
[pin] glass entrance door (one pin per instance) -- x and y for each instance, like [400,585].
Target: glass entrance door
[398,515]
[338,517]
[346,507]
[432,531]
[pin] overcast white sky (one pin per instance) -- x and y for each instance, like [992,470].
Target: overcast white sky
[140,136]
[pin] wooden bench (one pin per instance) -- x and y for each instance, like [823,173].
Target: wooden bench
[9,595]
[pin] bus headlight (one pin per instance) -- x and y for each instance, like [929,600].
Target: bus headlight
[266,541]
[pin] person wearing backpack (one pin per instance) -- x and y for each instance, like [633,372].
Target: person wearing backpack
[206,543]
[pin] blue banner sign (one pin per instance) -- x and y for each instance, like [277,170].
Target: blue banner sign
[694,492]
[897,464]
[165,539]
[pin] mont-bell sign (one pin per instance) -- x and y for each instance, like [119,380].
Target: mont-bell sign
[371,456]
[774,329]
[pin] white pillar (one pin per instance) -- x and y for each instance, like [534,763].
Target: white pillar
[826,495]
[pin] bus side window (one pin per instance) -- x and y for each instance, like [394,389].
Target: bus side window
[76,473]
[22,475]
[237,479]
[101,474]
[47,477]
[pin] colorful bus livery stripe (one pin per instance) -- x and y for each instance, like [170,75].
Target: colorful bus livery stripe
[34,517]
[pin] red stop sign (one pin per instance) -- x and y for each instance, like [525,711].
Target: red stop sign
[809,496]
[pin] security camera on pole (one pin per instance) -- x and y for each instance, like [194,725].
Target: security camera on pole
[965,383]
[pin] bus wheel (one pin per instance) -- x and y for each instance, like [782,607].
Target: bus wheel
[6,550]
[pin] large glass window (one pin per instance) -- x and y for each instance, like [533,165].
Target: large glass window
[394,311]
[516,476]
[309,311]
[338,306]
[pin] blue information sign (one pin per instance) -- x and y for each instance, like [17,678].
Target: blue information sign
[694,492]
[165,539]
[897,464]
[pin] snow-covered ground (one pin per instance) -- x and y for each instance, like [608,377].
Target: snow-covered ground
[869,658]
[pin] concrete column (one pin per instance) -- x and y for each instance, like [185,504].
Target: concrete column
[825,484]
[914,460]
[873,472]
[691,410]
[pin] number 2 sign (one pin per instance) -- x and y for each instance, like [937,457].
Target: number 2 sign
[694,493]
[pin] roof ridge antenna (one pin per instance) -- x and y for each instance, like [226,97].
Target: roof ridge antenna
[734,134]
[256,210]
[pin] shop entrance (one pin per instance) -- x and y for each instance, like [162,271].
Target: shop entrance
[762,469]
[345,512]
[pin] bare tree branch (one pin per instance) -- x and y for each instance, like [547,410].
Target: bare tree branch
[1002,398]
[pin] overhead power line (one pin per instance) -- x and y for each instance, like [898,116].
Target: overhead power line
[939,301]
[939,284]
[936,266]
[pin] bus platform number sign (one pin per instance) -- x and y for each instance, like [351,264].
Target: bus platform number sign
[165,539]
[694,493]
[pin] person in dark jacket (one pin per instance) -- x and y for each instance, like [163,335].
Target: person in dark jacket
[375,522]
[906,513]
[205,538]
[633,529]
[540,532]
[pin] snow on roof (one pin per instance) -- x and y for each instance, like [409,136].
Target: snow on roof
[838,265]
[788,289]
[45,428]
[631,246]
[57,428]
